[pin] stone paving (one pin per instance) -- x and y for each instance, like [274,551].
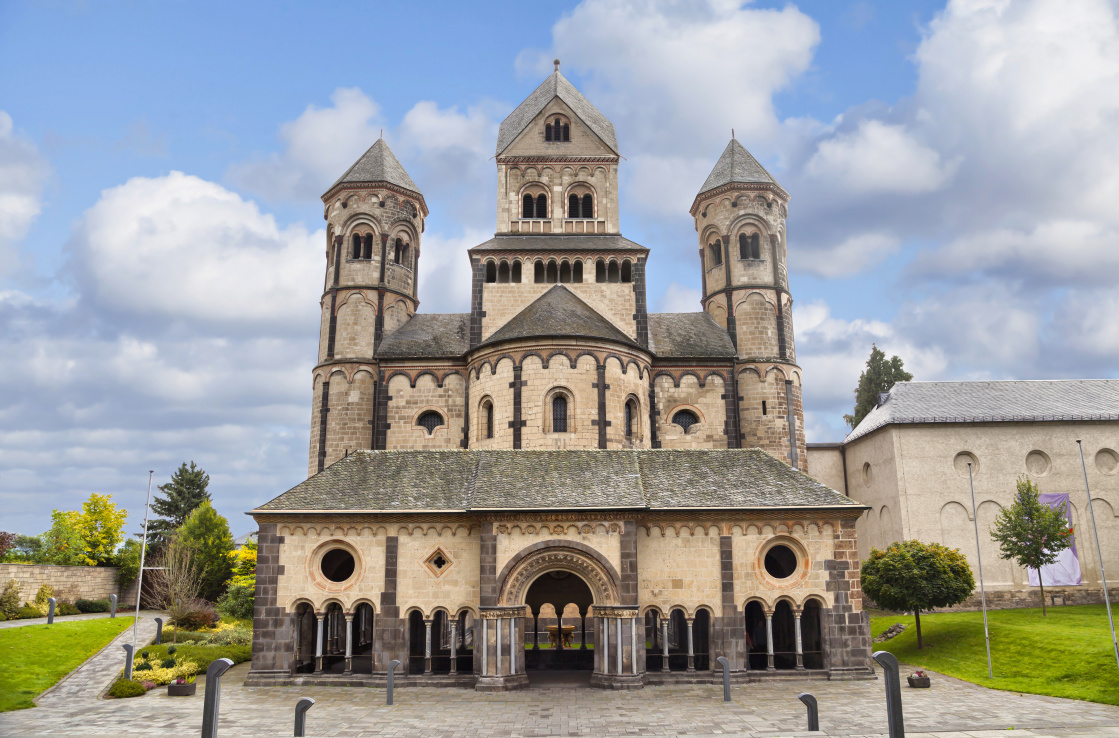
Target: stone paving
[84,684]
[950,709]
[68,618]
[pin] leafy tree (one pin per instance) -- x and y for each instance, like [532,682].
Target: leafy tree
[1031,532]
[127,561]
[63,543]
[238,600]
[185,492]
[101,524]
[7,543]
[910,575]
[880,376]
[207,534]
[27,549]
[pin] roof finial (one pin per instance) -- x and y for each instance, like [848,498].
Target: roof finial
[732,133]
[556,62]
[382,133]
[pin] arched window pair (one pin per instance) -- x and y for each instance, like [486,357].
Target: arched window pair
[580,207]
[556,131]
[563,273]
[613,272]
[363,246]
[401,254]
[749,247]
[503,272]
[715,248]
[534,207]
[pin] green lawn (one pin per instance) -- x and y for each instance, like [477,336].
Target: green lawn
[34,657]
[1067,654]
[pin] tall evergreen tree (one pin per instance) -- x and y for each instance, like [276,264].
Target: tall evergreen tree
[880,376]
[183,494]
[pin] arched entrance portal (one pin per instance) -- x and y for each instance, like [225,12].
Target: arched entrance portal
[559,642]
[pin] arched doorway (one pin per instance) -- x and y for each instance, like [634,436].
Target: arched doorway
[812,634]
[362,639]
[558,643]
[305,623]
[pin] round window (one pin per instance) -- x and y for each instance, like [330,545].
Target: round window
[780,562]
[337,565]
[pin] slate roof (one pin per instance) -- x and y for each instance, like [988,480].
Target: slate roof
[558,312]
[992,402]
[378,164]
[555,86]
[736,165]
[688,335]
[559,242]
[461,481]
[428,336]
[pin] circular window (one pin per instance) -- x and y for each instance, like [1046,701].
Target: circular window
[1107,461]
[780,562]
[962,460]
[1038,463]
[337,565]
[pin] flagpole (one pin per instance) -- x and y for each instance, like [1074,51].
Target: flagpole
[143,552]
[1099,553]
[979,554]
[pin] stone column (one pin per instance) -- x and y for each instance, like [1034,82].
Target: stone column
[454,646]
[504,673]
[485,648]
[583,618]
[535,630]
[769,639]
[605,646]
[633,640]
[318,641]
[427,647]
[349,643]
[800,648]
[664,645]
[691,649]
[621,649]
[512,645]
[620,667]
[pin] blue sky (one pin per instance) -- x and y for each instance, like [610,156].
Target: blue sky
[952,170]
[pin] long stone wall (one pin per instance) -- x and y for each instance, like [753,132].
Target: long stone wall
[69,582]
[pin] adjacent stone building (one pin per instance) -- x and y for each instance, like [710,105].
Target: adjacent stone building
[558,448]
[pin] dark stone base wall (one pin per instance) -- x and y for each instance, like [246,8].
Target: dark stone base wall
[272,634]
[847,646]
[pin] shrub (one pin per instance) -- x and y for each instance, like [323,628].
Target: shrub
[45,593]
[199,615]
[162,676]
[65,608]
[9,600]
[237,602]
[171,650]
[92,605]
[29,611]
[142,666]
[168,663]
[126,688]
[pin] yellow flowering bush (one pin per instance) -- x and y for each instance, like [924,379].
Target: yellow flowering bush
[160,676]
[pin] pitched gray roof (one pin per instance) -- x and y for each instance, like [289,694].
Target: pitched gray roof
[378,164]
[555,86]
[558,312]
[428,336]
[559,242]
[736,165]
[688,335]
[996,401]
[409,481]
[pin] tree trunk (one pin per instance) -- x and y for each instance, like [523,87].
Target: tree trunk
[917,615]
[1041,583]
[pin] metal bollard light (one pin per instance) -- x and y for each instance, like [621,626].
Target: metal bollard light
[301,709]
[50,612]
[813,710]
[112,606]
[158,631]
[213,696]
[127,660]
[726,677]
[392,669]
[894,719]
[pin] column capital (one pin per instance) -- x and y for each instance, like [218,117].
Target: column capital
[349,616]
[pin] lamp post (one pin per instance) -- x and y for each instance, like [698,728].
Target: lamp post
[979,554]
[1099,553]
[143,552]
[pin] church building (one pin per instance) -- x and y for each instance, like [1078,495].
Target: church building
[558,451]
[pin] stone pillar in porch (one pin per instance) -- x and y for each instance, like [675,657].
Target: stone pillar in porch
[619,648]
[503,648]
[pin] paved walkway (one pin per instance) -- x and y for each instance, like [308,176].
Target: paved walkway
[68,618]
[88,681]
[951,709]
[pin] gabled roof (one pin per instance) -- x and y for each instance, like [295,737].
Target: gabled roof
[553,87]
[490,480]
[688,336]
[994,402]
[558,313]
[736,165]
[428,336]
[378,164]
[559,242]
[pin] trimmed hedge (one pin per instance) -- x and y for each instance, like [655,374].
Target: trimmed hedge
[27,612]
[92,605]
[126,688]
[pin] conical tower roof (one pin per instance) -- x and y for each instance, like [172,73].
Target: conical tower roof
[555,86]
[736,165]
[378,164]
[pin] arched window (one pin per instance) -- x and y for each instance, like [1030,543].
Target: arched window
[755,247]
[565,273]
[566,132]
[398,252]
[600,271]
[527,206]
[491,272]
[573,206]
[517,272]
[627,271]
[430,420]
[503,272]
[559,414]
[547,131]
[588,206]
[577,272]
[489,420]
[552,275]
[631,415]
[556,125]
[716,250]
[367,246]
[357,246]
[685,419]
[538,276]
[612,274]
[541,206]
[749,247]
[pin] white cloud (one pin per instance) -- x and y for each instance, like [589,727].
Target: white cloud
[445,275]
[23,174]
[855,253]
[679,299]
[182,248]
